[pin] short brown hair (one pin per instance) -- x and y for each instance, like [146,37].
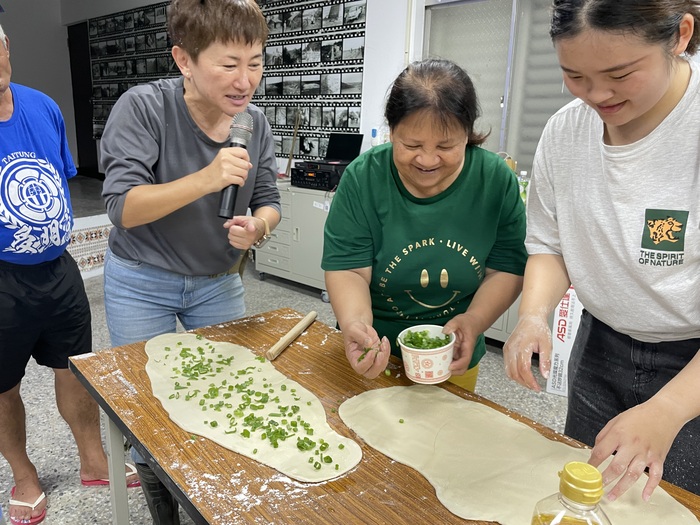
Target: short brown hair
[194,25]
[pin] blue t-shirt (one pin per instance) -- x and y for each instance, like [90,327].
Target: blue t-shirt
[36,217]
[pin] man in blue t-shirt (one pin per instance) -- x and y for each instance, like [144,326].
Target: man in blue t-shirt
[44,311]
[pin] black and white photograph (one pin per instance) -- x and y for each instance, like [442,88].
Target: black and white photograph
[119,24]
[328,117]
[315,116]
[130,44]
[259,91]
[149,17]
[354,48]
[92,28]
[354,116]
[281,115]
[341,117]
[311,85]
[312,18]
[273,86]
[278,144]
[355,12]
[128,21]
[162,40]
[290,145]
[164,63]
[292,21]
[141,66]
[291,54]
[308,145]
[275,24]
[270,114]
[332,50]
[140,43]
[322,147]
[351,84]
[330,84]
[150,41]
[291,85]
[138,19]
[130,67]
[151,66]
[95,71]
[273,56]
[311,52]
[333,16]
[161,16]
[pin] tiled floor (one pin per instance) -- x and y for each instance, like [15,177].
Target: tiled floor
[53,451]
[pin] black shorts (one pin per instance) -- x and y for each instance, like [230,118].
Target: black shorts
[44,313]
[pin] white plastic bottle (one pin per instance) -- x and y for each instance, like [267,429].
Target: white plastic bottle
[375,138]
[576,503]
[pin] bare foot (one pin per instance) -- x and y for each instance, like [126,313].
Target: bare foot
[27,491]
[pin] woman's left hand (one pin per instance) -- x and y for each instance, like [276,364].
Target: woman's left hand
[243,231]
[640,437]
[462,327]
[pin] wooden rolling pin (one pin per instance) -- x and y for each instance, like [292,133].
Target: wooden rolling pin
[286,340]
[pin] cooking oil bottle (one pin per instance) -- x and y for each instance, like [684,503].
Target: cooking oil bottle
[576,503]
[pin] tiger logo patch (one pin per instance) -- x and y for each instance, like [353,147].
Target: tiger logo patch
[663,229]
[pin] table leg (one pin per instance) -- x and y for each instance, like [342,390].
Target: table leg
[117,475]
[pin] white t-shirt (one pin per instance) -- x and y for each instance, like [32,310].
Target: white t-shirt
[626,219]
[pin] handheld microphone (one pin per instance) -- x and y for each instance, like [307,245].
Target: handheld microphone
[240,134]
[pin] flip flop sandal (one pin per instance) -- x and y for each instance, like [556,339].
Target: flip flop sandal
[131,470]
[30,521]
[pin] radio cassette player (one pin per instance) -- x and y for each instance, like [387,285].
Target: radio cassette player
[320,175]
[325,174]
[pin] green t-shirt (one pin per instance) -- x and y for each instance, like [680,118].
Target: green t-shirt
[428,255]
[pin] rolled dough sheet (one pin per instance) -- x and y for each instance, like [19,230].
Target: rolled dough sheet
[483,464]
[192,404]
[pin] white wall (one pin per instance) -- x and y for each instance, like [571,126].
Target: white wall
[39,53]
[385,56]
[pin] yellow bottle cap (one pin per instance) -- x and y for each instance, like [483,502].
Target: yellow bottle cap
[581,482]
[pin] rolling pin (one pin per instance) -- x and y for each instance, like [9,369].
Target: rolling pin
[290,336]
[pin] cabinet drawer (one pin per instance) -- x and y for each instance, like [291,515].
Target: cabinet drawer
[275,249]
[285,225]
[280,237]
[271,261]
[286,209]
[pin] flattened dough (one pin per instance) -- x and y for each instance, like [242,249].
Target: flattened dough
[483,464]
[232,365]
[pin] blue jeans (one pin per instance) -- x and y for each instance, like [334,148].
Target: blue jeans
[143,301]
[610,372]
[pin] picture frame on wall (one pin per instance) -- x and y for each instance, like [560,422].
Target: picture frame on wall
[313,62]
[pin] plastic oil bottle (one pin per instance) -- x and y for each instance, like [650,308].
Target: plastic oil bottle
[576,503]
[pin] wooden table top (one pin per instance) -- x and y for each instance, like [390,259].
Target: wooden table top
[223,487]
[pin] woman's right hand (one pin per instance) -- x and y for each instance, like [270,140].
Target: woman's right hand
[532,335]
[230,166]
[366,353]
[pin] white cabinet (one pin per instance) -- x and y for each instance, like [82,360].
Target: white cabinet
[504,325]
[295,250]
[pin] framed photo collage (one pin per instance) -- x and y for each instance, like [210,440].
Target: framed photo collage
[313,67]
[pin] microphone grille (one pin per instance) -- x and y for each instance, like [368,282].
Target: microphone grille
[241,128]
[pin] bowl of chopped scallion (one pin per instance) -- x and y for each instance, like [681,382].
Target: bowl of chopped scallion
[427,353]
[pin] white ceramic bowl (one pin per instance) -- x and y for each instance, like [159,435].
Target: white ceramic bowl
[427,366]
